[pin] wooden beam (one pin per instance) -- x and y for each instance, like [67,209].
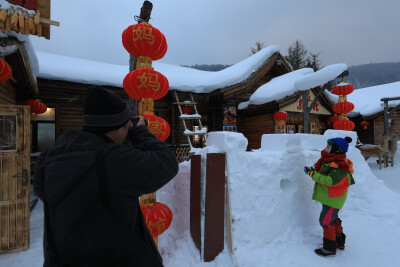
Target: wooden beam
[50,22]
[390,98]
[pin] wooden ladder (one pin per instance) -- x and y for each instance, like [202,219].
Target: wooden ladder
[201,132]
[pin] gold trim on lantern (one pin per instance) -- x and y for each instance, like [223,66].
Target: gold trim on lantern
[343,116]
[144,63]
[146,106]
[148,199]
[342,98]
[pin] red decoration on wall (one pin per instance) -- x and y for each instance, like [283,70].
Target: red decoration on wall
[343,107]
[344,125]
[187,110]
[5,71]
[365,124]
[146,83]
[18,2]
[30,4]
[158,218]
[144,40]
[158,126]
[37,107]
[343,89]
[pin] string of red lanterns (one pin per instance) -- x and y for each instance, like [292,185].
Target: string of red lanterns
[343,106]
[146,43]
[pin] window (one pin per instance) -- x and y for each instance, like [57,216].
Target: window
[45,131]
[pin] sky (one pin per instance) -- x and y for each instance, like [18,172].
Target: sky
[222,32]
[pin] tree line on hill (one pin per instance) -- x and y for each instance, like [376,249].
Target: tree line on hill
[298,56]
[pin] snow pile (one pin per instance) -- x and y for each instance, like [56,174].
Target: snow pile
[275,222]
[58,67]
[367,101]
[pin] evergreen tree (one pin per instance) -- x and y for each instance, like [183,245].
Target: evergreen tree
[313,62]
[297,55]
[258,46]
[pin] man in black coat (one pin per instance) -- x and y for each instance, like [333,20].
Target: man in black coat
[90,182]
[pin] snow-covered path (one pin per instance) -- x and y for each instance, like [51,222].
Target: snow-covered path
[370,220]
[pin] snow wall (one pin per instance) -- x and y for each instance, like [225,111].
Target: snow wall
[270,194]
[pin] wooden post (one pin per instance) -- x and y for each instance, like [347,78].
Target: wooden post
[215,206]
[306,114]
[195,200]
[145,13]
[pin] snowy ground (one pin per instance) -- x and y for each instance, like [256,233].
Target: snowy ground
[286,231]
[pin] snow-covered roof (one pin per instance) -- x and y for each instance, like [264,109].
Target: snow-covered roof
[58,67]
[292,82]
[367,101]
[276,89]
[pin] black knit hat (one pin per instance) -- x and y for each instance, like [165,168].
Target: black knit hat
[104,111]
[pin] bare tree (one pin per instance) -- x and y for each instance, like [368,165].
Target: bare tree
[297,55]
[258,46]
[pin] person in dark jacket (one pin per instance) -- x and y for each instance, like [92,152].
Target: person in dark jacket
[332,175]
[90,182]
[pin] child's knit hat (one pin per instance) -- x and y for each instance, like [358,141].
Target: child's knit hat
[339,145]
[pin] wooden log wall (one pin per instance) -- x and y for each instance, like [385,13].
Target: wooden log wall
[253,127]
[7,93]
[378,126]
[67,98]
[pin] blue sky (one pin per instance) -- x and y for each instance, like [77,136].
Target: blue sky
[223,31]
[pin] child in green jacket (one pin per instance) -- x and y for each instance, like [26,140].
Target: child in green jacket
[332,174]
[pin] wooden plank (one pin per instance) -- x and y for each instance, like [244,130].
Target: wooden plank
[13,226]
[195,200]
[13,178]
[5,178]
[4,222]
[21,224]
[215,206]
[43,6]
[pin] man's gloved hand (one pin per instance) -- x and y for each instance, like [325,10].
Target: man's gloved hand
[309,171]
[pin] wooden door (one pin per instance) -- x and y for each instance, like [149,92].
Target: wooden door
[14,177]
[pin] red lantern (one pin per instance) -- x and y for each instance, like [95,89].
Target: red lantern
[5,71]
[158,126]
[144,40]
[146,83]
[365,124]
[343,89]
[158,218]
[343,107]
[37,107]
[186,110]
[334,118]
[280,117]
[344,125]
[18,2]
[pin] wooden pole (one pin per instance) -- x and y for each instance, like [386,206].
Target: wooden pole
[306,114]
[145,13]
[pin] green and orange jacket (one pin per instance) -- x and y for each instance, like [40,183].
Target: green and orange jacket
[331,184]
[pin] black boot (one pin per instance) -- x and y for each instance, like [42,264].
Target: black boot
[329,248]
[340,240]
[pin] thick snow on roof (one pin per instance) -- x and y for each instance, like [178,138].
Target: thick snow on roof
[276,89]
[288,84]
[58,67]
[320,77]
[367,101]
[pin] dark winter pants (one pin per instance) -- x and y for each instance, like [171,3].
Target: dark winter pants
[330,222]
